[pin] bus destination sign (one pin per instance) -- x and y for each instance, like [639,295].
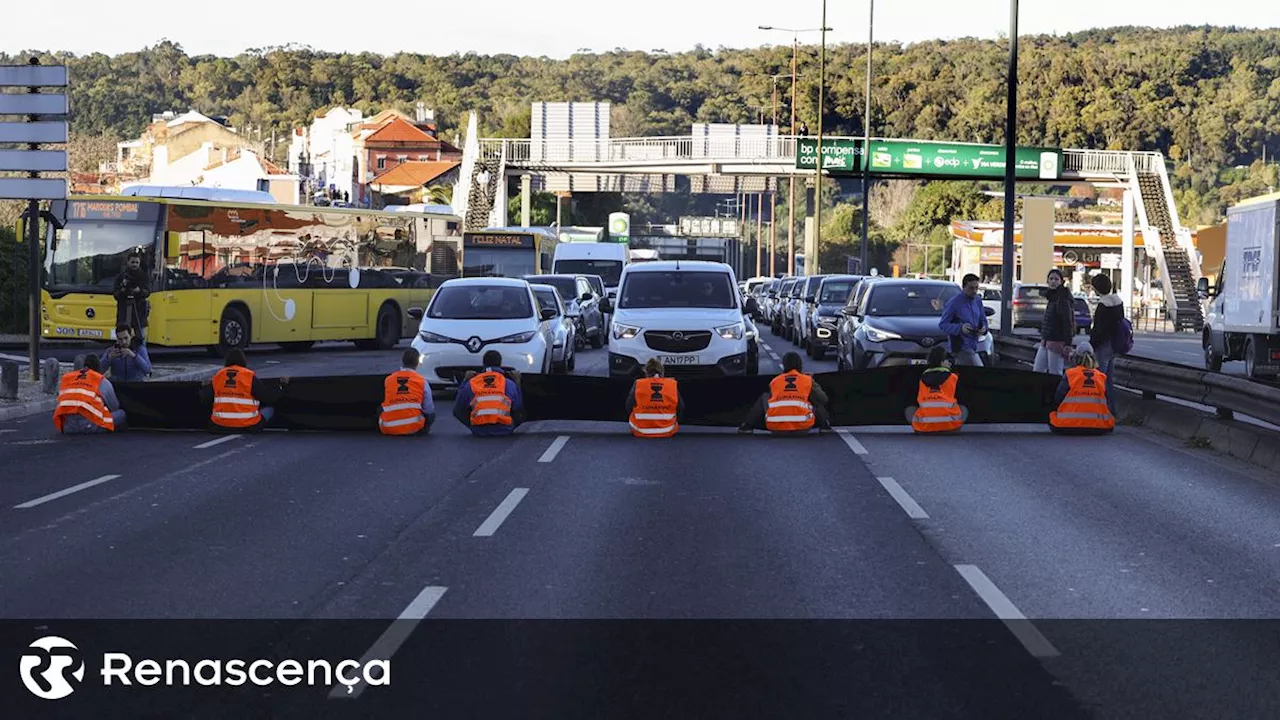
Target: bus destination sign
[505,240]
[92,210]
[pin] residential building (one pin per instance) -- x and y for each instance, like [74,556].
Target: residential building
[409,182]
[173,139]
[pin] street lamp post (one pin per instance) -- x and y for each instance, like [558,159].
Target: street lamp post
[1010,175]
[815,262]
[866,142]
[791,178]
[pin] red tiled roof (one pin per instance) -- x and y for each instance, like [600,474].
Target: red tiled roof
[400,131]
[414,173]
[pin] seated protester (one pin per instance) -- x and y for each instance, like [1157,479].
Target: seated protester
[407,405]
[654,404]
[237,396]
[793,405]
[1082,398]
[936,409]
[87,402]
[127,360]
[489,403]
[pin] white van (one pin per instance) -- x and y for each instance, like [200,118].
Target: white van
[592,258]
[687,313]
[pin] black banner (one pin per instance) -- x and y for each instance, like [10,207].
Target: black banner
[866,397]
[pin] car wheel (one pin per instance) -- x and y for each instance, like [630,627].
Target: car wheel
[1250,368]
[817,353]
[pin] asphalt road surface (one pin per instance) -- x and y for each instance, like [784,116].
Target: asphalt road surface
[1003,572]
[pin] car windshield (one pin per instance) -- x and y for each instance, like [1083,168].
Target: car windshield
[835,292]
[566,286]
[676,289]
[609,270]
[480,302]
[897,300]
[547,300]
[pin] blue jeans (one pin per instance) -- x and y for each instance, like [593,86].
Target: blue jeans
[1106,356]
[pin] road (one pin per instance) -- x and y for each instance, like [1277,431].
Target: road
[1003,572]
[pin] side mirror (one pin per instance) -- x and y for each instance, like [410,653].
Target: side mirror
[989,311]
[811,299]
[549,314]
[415,313]
[586,297]
[1202,287]
[751,307]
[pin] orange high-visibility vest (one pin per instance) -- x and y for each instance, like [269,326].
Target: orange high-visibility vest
[489,402]
[789,409]
[234,405]
[654,414]
[1085,406]
[402,394]
[78,395]
[937,410]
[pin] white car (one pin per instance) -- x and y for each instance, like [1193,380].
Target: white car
[564,355]
[688,314]
[467,317]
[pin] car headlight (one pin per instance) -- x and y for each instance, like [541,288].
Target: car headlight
[876,335]
[430,337]
[731,332]
[518,338]
[624,332]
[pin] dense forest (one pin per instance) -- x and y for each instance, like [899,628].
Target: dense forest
[1208,98]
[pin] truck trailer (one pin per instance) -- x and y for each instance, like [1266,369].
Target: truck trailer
[1242,313]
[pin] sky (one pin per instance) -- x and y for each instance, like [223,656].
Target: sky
[558,28]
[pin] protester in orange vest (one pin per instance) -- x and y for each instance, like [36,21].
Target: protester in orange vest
[489,403]
[936,409]
[87,402]
[407,405]
[239,398]
[794,405]
[1082,398]
[654,404]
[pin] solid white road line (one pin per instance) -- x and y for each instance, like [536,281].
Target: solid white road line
[393,637]
[219,441]
[556,446]
[64,493]
[500,513]
[852,441]
[913,509]
[1035,643]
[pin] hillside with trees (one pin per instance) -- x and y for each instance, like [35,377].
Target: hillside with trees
[1208,98]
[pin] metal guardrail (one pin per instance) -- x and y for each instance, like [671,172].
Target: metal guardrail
[1227,393]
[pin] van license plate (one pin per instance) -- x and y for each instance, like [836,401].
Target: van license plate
[916,361]
[679,360]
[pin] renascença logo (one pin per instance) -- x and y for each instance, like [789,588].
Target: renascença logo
[46,665]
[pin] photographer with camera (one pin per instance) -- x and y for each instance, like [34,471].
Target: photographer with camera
[131,291]
[125,361]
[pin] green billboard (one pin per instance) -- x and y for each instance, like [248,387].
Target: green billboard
[931,159]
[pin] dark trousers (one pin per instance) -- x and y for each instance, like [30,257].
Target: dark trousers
[756,416]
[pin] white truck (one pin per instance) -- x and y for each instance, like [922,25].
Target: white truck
[1242,313]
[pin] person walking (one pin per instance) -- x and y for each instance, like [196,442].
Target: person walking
[1106,333]
[1057,328]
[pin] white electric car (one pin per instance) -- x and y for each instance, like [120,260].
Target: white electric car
[688,314]
[469,316]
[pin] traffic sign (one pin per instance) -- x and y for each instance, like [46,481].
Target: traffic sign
[920,157]
[33,160]
[33,104]
[33,132]
[33,76]
[33,188]
[838,154]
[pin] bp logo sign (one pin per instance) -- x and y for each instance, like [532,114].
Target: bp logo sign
[620,224]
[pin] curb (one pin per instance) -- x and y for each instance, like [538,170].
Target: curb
[1242,441]
[36,407]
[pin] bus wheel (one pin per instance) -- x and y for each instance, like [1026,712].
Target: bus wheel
[233,331]
[387,333]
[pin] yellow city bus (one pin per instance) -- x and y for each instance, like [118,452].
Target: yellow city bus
[227,274]
[508,252]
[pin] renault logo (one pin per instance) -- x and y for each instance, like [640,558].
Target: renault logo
[90,313]
[677,335]
[474,344]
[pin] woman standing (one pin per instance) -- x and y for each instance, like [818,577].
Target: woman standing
[1058,326]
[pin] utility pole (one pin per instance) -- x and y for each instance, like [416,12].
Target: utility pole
[812,265]
[791,194]
[866,144]
[759,231]
[1010,175]
[773,232]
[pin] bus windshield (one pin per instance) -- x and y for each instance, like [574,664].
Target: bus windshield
[88,255]
[498,262]
[609,270]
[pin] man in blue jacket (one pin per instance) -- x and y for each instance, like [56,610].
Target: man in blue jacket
[125,362]
[964,319]
[462,409]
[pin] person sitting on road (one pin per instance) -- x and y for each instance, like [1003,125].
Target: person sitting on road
[936,409]
[793,405]
[489,403]
[126,361]
[87,402]
[407,405]
[654,404]
[1081,398]
[240,399]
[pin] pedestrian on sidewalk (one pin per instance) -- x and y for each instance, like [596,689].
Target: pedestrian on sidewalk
[1057,328]
[1106,329]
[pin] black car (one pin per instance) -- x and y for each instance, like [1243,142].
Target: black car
[829,299]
